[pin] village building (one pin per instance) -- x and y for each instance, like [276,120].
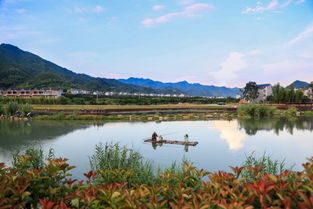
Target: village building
[264,91]
[309,93]
[31,93]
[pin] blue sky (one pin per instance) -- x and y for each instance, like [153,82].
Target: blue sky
[205,41]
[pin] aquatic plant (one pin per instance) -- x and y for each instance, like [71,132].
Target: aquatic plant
[112,159]
[265,163]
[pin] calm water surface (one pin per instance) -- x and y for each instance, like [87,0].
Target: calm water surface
[221,143]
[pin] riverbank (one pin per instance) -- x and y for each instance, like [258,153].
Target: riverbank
[158,112]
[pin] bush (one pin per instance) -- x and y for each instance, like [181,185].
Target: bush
[49,187]
[256,111]
[26,109]
[2,110]
[291,111]
[12,108]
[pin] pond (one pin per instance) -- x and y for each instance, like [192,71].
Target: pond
[222,143]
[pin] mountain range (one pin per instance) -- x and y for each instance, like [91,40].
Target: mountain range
[192,89]
[22,69]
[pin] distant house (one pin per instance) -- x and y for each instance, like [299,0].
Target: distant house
[309,93]
[264,90]
[32,93]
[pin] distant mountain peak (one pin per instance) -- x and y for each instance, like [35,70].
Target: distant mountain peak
[192,89]
[21,69]
[298,84]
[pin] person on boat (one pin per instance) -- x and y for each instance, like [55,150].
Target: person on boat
[186,137]
[159,138]
[154,137]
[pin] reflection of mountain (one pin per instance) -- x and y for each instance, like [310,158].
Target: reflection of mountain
[230,133]
[13,133]
[252,126]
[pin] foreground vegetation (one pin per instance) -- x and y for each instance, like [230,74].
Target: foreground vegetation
[116,181]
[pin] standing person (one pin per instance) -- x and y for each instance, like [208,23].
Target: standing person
[186,137]
[154,137]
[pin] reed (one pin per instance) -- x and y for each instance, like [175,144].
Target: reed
[111,158]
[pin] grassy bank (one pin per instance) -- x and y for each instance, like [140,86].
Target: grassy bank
[140,117]
[121,178]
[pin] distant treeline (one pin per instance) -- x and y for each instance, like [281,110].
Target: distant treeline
[287,95]
[116,100]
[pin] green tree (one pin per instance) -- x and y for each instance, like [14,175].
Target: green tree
[250,92]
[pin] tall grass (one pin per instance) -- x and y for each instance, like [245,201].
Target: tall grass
[256,111]
[2,110]
[36,156]
[26,108]
[11,108]
[111,159]
[266,165]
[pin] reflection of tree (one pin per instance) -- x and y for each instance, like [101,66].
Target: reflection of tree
[252,126]
[21,133]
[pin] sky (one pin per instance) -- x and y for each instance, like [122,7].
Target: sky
[211,42]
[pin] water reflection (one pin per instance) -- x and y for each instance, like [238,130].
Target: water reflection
[230,133]
[221,143]
[252,126]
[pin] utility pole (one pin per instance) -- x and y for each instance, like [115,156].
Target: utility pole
[97,97]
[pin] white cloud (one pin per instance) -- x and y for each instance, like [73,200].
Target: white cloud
[234,63]
[186,2]
[230,133]
[308,32]
[189,11]
[272,5]
[98,9]
[231,66]
[81,10]
[158,7]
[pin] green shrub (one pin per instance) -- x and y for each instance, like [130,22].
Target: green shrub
[49,187]
[291,111]
[111,158]
[36,158]
[2,110]
[256,111]
[26,109]
[11,108]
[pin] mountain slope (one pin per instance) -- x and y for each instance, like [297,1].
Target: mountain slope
[298,84]
[195,89]
[21,69]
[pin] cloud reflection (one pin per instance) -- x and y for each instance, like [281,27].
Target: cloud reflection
[230,133]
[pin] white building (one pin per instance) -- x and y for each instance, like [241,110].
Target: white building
[309,93]
[264,90]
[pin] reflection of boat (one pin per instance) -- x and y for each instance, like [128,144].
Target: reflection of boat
[164,141]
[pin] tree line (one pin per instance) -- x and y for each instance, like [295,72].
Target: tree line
[279,95]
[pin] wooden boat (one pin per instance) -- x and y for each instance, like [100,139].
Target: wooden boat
[164,141]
